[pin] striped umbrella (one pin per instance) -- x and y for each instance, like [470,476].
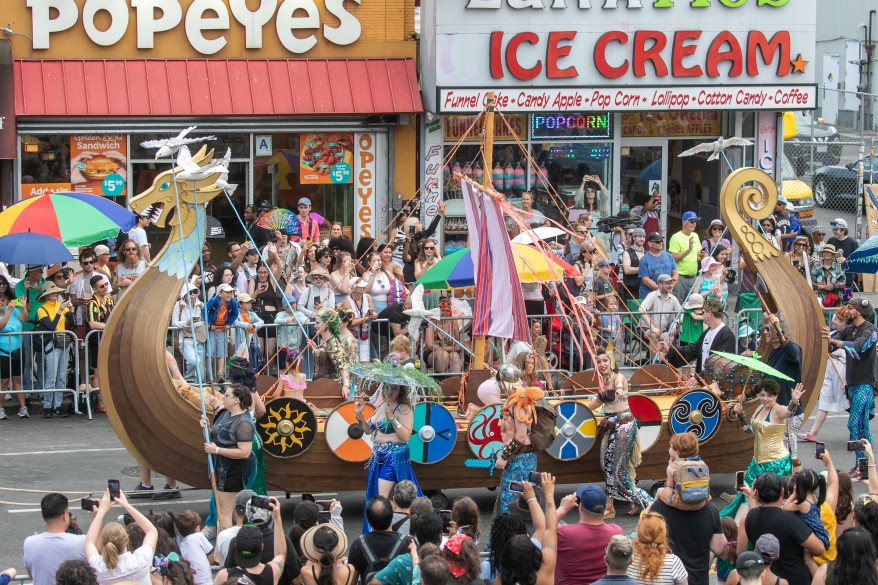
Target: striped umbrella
[76,219]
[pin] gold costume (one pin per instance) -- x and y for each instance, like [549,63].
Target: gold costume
[769,441]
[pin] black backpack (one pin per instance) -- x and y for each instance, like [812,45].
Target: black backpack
[375,564]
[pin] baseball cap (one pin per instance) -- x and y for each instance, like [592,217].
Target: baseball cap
[304,201]
[714,222]
[819,229]
[244,298]
[251,251]
[241,500]
[306,513]
[602,263]
[747,560]
[768,547]
[745,331]
[654,237]
[638,232]
[31,267]
[265,205]
[248,547]
[781,200]
[691,216]
[101,249]
[663,278]
[624,207]
[838,223]
[592,498]
[224,287]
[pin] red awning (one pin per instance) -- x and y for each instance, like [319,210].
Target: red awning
[222,87]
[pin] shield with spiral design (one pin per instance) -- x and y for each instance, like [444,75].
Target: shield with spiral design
[698,412]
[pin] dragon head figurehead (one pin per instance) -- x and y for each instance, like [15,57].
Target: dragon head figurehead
[161,198]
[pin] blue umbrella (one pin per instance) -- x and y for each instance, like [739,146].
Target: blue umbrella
[864,260]
[31,248]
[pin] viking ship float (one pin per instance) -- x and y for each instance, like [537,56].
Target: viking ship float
[315,445]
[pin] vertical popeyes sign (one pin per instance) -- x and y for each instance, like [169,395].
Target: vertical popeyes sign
[543,54]
[365,183]
[8,145]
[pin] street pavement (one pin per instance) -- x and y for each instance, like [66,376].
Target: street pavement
[76,456]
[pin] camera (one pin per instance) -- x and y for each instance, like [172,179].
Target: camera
[820,449]
[856,446]
[88,504]
[324,504]
[115,488]
[260,502]
[535,478]
[516,486]
[622,220]
[863,468]
[739,481]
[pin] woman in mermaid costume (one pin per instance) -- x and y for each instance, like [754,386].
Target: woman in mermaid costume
[768,425]
[620,445]
[391,427]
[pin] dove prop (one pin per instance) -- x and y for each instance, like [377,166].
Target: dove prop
[170,146]
[417,314]
[716,148]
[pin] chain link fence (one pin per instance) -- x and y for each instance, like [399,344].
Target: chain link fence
[824,156]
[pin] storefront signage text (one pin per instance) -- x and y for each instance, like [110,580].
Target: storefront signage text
[99,164]
[633,99]
[613,4]
[457,126]
[207,22]
[365,185]
[671,124]
[8,142]
[576,125]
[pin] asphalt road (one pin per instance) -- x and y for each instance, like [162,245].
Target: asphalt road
[77,455]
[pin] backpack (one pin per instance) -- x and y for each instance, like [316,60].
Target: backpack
[692,484]
[542,432]
[375,564]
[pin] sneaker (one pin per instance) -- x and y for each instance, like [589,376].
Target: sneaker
[168,493]
[141,491]
[61,412]
[3,414]
[23,413]
[47,413]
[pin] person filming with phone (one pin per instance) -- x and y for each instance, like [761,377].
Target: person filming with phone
[858,336]
[113,562]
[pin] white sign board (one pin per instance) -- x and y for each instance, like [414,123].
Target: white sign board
[766,142]
[556,45]
[365,184]
[263,145]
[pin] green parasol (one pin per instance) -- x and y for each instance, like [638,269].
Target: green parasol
[754,364]
[436,278]
[384,373]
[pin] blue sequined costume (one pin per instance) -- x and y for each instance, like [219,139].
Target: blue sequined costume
[389,461]
[862,405]
[516,469]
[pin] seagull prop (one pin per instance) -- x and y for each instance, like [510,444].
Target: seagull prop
[192,171]
[170,146]
[417,314]
[716,148]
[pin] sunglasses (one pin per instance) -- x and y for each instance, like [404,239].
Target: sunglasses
[768,329]
[717,228]
[87,262]
[193,292]
[129,249]
[429,247]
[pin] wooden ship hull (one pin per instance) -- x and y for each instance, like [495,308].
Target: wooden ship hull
[162,430]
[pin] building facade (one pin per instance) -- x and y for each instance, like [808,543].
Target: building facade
[315,98]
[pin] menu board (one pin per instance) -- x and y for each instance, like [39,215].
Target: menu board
[662,124]
[570,125]
[325,158]
[506,128]
[99,164]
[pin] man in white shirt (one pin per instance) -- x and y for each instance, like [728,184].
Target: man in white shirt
[658,311]
[138,236]
[44,552]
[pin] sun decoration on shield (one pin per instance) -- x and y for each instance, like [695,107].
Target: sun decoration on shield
[287,428]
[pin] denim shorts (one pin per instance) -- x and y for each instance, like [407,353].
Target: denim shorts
[218,343]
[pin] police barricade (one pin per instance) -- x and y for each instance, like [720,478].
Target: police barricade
[41,362]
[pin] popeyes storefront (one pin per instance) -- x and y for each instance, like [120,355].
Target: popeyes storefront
[315,98]
[613,89]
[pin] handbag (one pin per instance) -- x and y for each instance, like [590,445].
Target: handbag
[201,333]
[254,356]
[830,299]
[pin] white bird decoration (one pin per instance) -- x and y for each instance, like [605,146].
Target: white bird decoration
[170,146]
[193,172]
[716,148]
[417,314]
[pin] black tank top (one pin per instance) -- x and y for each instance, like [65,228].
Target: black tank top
[266,577]
[631,280]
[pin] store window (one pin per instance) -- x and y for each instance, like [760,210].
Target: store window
[144,169]
[318,166]
[45,164]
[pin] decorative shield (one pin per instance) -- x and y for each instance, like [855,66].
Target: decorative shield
[699,412]
[345,437]
[575,429]
[649,415]
[433,434]
[483,434]
[288,427]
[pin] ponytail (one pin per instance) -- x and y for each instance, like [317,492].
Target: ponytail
[114,541]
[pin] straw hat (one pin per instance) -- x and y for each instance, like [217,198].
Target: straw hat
[318,271]
[50,288]
[313,553]
[831,249]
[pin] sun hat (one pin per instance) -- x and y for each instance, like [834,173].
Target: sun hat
[801,240]
[710,263]
[318,271]
[714,222]
[358,283]
[186,289]
[248,547]
[695,301]
[591,497]
[244,298]
[831,249]
[51,288]
[313,553]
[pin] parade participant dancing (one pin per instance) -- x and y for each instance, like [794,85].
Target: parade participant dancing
[517,458]
[335,354]
[620,446]
[769,427]
[786,357]
[858,339]
[391,427]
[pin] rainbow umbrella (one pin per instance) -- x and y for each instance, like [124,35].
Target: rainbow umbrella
[457,270]
[76,219]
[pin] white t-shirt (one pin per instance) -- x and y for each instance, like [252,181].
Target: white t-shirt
[44,553]
[531,291]
[138,236]
[223,541]
[130,567]
[708,341]
[195,548]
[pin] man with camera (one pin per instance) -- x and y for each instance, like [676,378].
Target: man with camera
[44,552]
[578,563]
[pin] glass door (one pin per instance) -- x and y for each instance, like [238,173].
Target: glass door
[643,180]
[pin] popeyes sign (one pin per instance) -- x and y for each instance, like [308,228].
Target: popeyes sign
[561,50]
[190,27]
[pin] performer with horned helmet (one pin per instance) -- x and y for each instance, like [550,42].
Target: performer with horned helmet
[518,457]
[620,446]
[494,390]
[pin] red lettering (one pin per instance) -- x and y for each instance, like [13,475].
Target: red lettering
[682,50]
[715,55]
[600,55]
[512,63]
[556,52]
[780,42]
[642,53]
[494,53]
